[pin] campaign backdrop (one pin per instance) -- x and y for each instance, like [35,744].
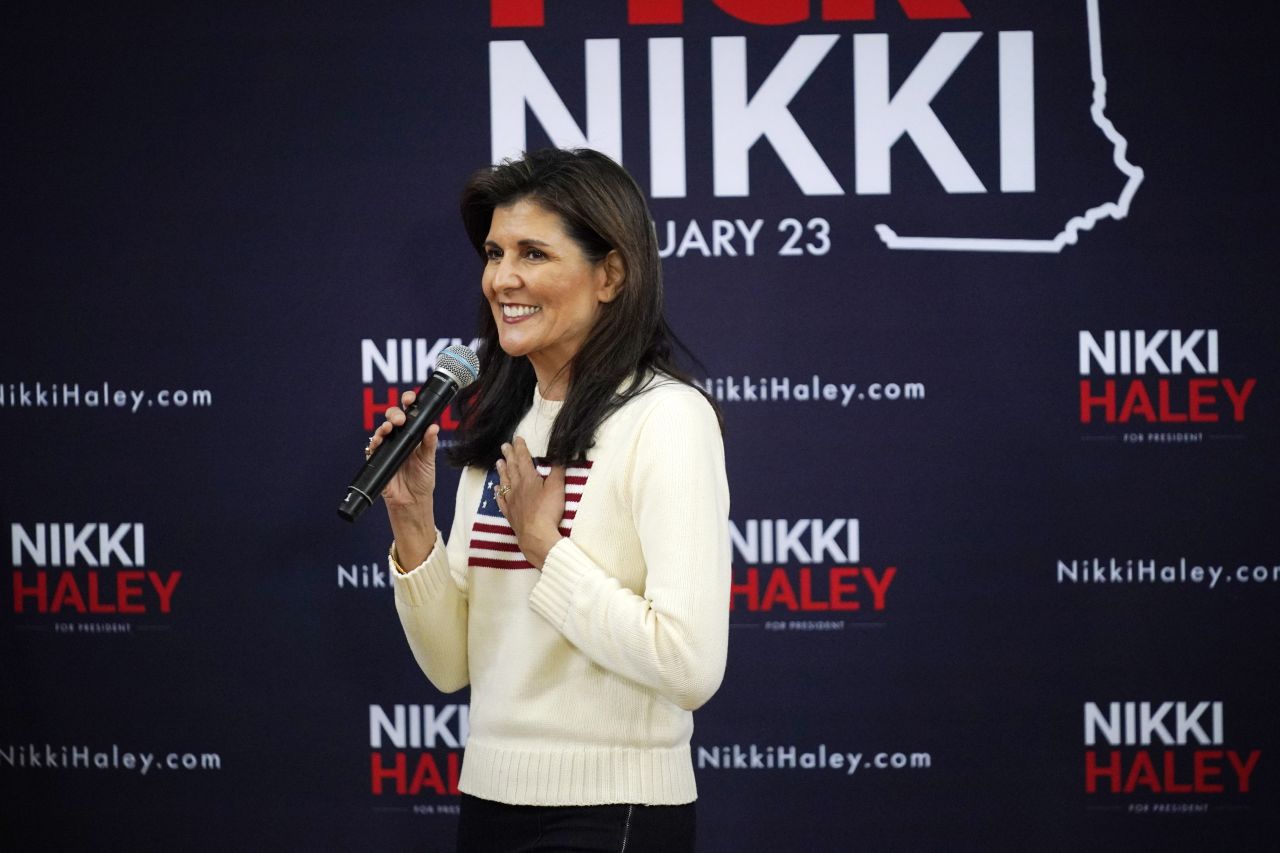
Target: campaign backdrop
[986,292]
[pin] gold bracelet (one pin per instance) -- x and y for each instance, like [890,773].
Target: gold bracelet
[395,564]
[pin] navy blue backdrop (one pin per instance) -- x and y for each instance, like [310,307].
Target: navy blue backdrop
[987,293]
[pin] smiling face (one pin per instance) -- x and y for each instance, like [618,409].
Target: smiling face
[544,292]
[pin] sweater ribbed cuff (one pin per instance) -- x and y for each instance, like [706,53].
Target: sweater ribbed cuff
[562,574]
[425,580]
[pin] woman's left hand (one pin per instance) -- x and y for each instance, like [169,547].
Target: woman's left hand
[533,505]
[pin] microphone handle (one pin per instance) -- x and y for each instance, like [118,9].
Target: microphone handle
[433,398]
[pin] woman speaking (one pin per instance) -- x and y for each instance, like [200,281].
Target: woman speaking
[583,592]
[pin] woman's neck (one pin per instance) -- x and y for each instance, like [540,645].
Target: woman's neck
[553,379]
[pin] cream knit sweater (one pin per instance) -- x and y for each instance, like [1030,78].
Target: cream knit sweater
[584,675]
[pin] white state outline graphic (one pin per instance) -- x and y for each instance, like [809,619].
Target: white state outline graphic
[1071,232]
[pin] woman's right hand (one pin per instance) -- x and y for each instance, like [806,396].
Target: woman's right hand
[414,484]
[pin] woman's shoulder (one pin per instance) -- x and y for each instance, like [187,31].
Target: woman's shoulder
[661,400]
[664,389]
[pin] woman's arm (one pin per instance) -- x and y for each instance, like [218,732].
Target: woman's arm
[432,603]
[674,637]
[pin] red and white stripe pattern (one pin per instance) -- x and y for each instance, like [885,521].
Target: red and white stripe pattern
[493,544]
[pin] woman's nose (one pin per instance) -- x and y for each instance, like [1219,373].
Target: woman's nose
[504,275]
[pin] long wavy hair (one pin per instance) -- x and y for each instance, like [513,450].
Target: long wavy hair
[603,210]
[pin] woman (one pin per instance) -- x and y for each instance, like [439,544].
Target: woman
[583,592]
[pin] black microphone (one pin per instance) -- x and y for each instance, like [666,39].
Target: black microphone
[456,368]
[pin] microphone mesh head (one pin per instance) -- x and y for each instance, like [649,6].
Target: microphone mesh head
[460,364]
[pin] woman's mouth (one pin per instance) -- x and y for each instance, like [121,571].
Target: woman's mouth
[518,312]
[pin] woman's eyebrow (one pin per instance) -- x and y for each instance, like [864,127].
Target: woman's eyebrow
[523,241]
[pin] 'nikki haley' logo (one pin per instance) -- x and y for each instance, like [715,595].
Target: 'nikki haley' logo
[87,569]
[783,567]
[1158,377]
[400,365]
[1174,747]
[416,750]
[493,543]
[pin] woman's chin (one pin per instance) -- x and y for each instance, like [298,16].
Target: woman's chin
[513,348]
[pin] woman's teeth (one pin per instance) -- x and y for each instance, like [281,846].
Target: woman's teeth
[519,310]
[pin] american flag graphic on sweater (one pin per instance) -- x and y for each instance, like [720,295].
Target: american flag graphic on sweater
[493,544]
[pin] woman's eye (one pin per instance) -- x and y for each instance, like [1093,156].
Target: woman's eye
[493,254]
[534,254]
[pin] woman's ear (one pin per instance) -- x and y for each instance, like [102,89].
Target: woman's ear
[615,276]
